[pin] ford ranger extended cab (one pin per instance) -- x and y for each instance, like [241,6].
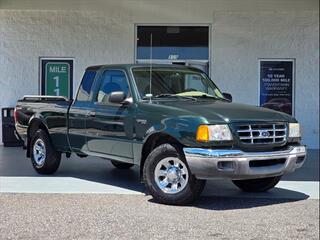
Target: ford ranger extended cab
[172,121]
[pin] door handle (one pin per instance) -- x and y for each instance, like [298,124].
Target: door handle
[91,114]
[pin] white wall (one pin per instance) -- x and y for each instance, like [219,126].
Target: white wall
[101,32]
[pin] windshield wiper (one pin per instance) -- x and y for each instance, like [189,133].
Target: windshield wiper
[169,95]
[210,96]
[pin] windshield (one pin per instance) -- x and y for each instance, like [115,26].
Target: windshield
[174,82]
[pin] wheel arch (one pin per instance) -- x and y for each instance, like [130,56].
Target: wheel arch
[153,141]
[35,124]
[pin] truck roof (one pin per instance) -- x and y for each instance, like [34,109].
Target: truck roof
[129,66]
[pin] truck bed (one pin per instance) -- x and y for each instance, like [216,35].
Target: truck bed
[50,111]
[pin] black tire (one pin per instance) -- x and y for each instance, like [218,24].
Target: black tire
[188,194]
[122,165]
[257,185]
[52,158]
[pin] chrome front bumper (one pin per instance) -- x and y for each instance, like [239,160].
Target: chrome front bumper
[237,165]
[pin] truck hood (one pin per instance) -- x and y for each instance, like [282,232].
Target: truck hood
[225,112]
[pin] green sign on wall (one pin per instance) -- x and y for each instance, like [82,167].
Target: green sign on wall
[56,77]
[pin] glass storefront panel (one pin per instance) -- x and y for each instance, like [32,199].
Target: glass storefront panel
[173,42]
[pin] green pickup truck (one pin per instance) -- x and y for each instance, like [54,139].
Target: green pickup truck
[172,121]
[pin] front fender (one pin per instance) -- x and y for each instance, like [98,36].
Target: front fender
[183,129]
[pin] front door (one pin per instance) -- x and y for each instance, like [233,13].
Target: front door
[109,126]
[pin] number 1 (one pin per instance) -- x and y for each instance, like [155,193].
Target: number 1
[57,91]
[56,78]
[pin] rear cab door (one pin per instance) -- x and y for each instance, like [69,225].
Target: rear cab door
[79,111]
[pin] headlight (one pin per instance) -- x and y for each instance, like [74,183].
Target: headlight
[294,130]
[208,133]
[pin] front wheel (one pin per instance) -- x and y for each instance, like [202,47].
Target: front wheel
[168,178]
[257,185]
[45,159]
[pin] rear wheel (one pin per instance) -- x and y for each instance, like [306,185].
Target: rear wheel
[45,159]
[122,165]
[257,185]
[168,178]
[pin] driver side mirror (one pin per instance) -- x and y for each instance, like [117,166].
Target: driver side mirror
[117,97]
[227,96]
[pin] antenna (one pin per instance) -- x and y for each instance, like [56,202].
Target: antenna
[150,80]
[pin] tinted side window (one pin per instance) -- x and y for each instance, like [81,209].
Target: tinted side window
[112,81]
[85,87]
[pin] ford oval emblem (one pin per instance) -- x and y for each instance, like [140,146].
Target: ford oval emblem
[264,134]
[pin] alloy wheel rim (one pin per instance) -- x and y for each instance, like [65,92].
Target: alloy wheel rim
[39,152]
[171,175]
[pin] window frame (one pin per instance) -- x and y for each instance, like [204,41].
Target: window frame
[92,85]
[98,85]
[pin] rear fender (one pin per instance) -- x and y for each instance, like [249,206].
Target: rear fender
[36,122]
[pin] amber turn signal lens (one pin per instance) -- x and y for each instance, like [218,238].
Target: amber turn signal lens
[203,133]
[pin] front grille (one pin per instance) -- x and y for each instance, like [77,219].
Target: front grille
[275,133]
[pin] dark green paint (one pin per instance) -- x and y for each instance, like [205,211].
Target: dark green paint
[118,131]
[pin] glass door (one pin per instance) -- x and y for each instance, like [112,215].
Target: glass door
[183,45]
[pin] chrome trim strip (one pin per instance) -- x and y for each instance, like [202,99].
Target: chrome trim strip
[34,97]
[215,153]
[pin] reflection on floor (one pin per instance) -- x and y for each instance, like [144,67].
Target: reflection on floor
[94,175]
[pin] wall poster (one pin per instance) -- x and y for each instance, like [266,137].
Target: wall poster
[276,84]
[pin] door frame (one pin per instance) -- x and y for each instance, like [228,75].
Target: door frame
[94,105]
[209,25]
[186,62]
